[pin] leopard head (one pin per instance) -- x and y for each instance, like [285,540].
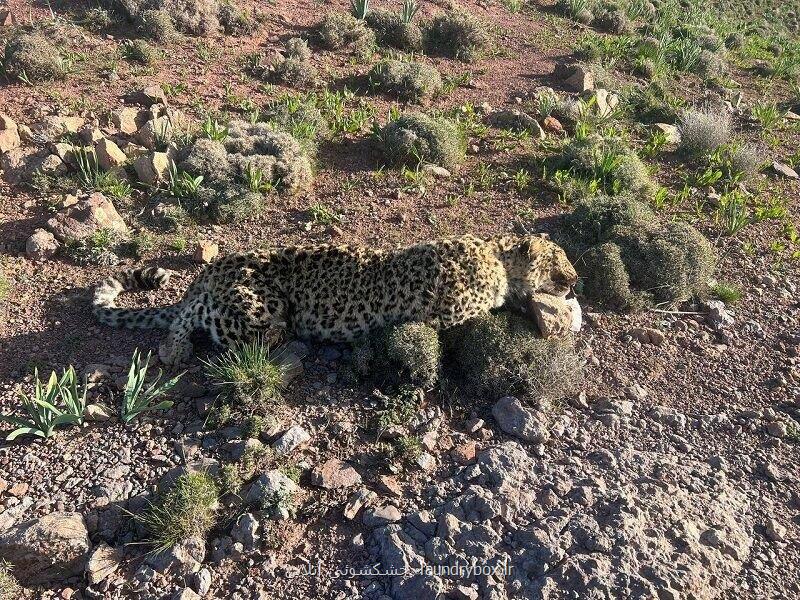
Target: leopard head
[535,265]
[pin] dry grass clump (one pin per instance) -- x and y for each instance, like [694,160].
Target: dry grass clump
[10,588]
[139,51]
[628,259]
[610,163]
[185,511]
[32,57]
[234,20]
[458,34]
[299,117]
[341,30]
[391,30]
[294,66]
[704,130]
[406,80]
[502,354]
[415,138]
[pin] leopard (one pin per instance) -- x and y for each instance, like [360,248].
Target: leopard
[339,293]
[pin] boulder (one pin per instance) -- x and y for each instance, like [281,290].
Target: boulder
[87,217]
[47,550]
[41,245]
[9,134]
[576,78]
[51,129]
[128,120]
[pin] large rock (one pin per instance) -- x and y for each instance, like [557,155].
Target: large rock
[9,134]
[524,423]
[295,436]
[553,315]
[128,120]
[270,488]
[152,169]
[87,217]
[50,549]
[50,129]
[576,78]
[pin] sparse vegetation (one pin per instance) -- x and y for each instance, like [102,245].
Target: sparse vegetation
[628,259]
[137,397]
[9,586]
[502,354]
[250,374]
[458,34]
[185,511]
[33,58]
[407,80]
[415,138]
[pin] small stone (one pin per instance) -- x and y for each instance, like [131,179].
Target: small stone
[269,485]
[50,549]
[128,120]
[784,170]
[290,440]
[205,252]
[336,474]
[382,515]
[553,125]
[98,412]
[464,454]
[775,531]
[186,594]
[718,316]
[606,102]
[147,96]
[19,489]
[390,485]
[436,171]
[41,245]
[519,421]
[474,425]
[246,531]
[553,315]
[671,132]
[6,18]
[777,429]
[578,79]
[9,134]
[357,501]
[87,217]
[647,335]
[202,581]
[103,562]
[152,169]
[90,134]
[426,461]
[109,156]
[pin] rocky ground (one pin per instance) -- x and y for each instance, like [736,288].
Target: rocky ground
[671,473]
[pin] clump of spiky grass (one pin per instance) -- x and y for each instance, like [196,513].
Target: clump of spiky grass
[502,354]
[416,138]
[248,373]
[186,510]
[9,587]
[704,130]
[407,80]
[458,34]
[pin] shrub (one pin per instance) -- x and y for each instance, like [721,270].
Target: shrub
[340,30]
[745,160]
[139,51]
[407,80]
[195,17]
[710,64]
[157,25]
[628,259]
[608,162]
[299,117]
[294,67]
[613,20]
[185,511]
[278,158]
[458,34]
[403,354]
[391,30]
[250,374]
[415,138]
[32,57]
[234,20]
[703,131]
[502,354]
[96,19]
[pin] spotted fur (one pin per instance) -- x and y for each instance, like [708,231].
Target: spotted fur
[339,293]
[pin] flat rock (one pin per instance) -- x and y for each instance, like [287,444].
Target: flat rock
[9,134]
[295,436]
[205,252]
[336,474]
[103,562]
[46,550]
[381,515]
[785,170]
[87,217]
